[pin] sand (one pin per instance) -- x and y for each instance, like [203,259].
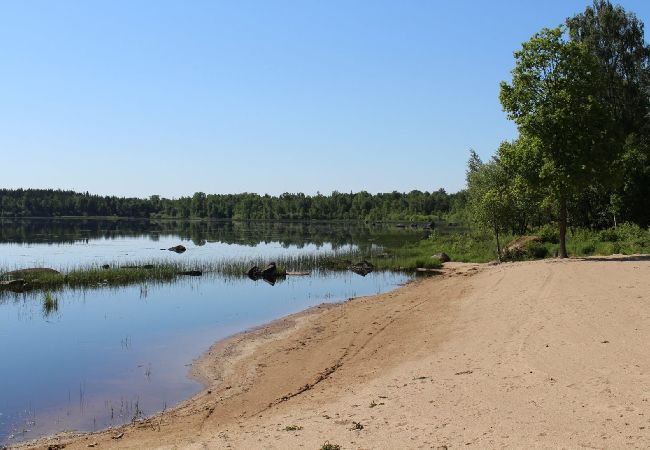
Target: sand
[547,354]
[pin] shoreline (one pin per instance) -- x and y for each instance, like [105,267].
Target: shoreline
[212,367]
[548,354]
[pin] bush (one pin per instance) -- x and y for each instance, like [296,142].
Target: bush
[588,249]
[536,250]
[630,232]
[549,233]
[608,235]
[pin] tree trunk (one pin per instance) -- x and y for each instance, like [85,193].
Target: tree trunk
[496,234]
[563,214]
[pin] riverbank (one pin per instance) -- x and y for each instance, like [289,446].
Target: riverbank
[547,353]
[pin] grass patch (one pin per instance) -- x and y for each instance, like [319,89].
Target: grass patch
[476,246]
[50,304]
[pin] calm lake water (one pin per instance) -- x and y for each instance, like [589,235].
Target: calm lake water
[108,355]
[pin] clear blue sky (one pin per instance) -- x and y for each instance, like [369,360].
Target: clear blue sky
[159,97]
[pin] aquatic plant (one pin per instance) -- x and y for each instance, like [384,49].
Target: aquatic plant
[50,303]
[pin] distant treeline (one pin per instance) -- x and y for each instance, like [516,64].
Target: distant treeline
[415,205]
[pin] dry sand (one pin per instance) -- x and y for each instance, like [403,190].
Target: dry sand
[548,354]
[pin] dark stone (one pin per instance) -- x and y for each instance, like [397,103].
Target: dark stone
[362,268]
[270,281]
[442,256]
[270,271]
[254,273]
[268,274]
[178,249]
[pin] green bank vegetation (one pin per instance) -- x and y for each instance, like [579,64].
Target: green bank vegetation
[414,205]
[405,259]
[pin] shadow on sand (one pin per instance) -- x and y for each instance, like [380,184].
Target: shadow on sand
[617,258]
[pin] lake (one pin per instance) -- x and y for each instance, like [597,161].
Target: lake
[105,356]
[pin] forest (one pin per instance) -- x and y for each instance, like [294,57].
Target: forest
[415,205]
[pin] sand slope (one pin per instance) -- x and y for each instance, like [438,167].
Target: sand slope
[549,354]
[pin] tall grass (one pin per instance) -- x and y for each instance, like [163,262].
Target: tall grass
[477,246]
[50,303]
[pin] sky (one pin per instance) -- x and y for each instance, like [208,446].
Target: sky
[135,98]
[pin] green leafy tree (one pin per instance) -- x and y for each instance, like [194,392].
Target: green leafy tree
[616,38]
[555,99]
[489,197]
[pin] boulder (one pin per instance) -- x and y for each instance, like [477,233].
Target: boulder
[521,243]
[270,271]
[442,257]
[178,249]
[362,268]
[254,273]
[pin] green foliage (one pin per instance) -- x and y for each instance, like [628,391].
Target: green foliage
[549,233]
[588,249]
[536,250]
[469,246]
[608,235]
[489,196]
[414,205]
[556,100]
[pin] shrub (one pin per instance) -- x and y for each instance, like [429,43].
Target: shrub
[549,233]
[608,235]
[588,249]
[630,232]
[536,250]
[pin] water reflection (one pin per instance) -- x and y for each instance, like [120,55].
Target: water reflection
[89,359]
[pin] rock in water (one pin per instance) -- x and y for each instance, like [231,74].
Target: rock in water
[178,249]
[254,273]
[270,271]
[362,268]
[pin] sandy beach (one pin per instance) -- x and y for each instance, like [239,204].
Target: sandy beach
[546,354]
